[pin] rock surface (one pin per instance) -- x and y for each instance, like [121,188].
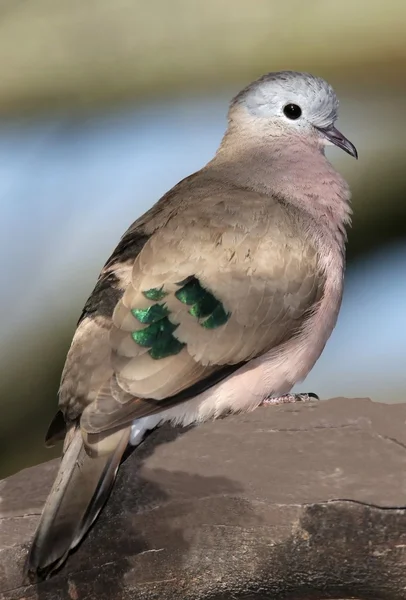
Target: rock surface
[297,502]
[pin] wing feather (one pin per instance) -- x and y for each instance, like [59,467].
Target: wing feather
[246,259]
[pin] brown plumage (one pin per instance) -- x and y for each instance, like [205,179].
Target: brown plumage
[224,292]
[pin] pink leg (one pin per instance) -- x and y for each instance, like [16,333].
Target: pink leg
[289,399]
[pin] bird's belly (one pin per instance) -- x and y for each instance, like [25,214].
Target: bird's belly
[241,392]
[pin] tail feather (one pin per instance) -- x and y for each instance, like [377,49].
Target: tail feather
[80,490]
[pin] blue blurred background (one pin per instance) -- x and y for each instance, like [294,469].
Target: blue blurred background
[104,106]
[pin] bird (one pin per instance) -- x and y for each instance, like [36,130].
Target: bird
[220,296]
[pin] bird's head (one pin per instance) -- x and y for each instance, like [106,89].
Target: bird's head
[287,103]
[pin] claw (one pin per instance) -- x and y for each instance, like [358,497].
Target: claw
[289,399]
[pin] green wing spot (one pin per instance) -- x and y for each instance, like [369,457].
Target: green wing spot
[154,313]
[191,292]
[203,303]
[150,335]
[166,347]
[218,317]
[155,293]
[204,306]
[158,336]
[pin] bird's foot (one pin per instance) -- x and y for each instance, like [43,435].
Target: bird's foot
[289,399]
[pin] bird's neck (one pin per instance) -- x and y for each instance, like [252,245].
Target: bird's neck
[295,172]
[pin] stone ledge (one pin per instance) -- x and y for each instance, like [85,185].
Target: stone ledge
[298,501]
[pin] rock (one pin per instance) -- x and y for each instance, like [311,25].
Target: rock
[298,501]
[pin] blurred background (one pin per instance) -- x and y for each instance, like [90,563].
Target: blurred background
[104,105]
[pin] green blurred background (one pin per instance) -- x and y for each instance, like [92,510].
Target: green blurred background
[105,104]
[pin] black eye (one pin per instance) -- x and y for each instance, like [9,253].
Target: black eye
[292,111]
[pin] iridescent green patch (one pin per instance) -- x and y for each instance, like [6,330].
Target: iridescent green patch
[155,293]
[218,317]
[154,313]
[204,307]
[158,336]
[203,303]
[191,292]
[166,347]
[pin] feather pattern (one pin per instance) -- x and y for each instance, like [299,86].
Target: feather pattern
[265,288]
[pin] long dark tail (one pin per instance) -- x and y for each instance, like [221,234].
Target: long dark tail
[81,488]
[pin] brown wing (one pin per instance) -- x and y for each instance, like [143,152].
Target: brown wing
[221,283]
[88,364]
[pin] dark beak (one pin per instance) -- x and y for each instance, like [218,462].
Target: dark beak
[338,139]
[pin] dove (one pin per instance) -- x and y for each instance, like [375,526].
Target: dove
[220,296]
